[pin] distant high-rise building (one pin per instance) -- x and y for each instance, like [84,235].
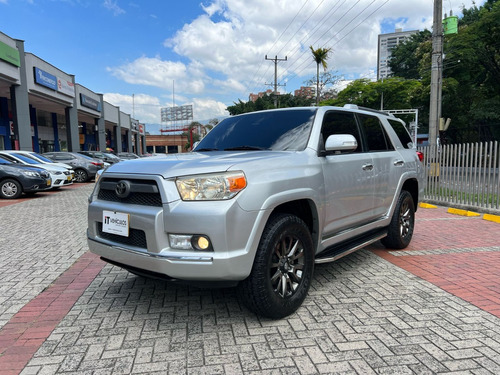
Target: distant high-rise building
[386,42]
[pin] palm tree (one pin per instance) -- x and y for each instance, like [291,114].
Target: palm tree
[320,55]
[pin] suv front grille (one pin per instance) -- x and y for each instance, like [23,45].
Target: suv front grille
[142,192]
[135,238]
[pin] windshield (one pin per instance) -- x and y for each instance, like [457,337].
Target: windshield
[26,158]
[41,157]
[285,130]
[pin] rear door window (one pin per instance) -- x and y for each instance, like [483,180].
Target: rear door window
[375,135]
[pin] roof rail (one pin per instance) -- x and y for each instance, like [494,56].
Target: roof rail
[355,106]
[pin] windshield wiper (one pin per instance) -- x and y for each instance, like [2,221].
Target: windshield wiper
[207,149]
[245,148]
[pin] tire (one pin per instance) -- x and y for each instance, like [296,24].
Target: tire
[10,189]
[81,175]
[282,271]
[402,223]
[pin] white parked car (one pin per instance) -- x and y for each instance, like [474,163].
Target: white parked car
[60,176]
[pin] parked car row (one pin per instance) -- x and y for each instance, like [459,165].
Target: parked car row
[29,172]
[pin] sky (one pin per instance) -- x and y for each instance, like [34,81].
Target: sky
[147,54]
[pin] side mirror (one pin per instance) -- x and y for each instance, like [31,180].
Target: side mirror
[340,142]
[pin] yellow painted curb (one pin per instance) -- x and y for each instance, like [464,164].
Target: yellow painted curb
[427,205]
[457,211]
[494,218]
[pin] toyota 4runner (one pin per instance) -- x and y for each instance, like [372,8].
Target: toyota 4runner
[261,199]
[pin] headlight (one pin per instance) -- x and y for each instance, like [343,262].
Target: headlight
[31,173]
[211,186]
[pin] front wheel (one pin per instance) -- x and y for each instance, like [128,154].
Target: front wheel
[10,189]
[402,223]
[282,269]
[81,175]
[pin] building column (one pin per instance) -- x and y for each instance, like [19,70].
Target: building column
[118,138]
[72,133]
[57,145]
[34,122]
[101,128]
[5,123]
[20,107]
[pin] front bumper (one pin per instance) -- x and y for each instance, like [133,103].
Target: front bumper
[234,234]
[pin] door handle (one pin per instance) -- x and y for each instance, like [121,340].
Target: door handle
[398,163]
[367,167]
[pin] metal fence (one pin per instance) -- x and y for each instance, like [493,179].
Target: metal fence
[464,175]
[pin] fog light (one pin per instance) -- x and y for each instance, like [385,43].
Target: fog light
[190,242]
[201,243]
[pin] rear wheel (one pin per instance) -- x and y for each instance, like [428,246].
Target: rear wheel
[10,189]
[282,269]
[81,175]
[402,223]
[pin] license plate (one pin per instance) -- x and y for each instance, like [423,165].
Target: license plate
[115,223]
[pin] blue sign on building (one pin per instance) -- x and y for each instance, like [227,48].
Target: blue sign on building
[90,103]
[45,79]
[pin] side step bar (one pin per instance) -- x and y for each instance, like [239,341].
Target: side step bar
[338,251]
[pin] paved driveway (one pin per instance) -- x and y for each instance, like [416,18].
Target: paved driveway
[433,308]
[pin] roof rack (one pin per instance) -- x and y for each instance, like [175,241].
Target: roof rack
[355,106]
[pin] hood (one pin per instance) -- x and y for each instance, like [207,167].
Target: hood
[175,165]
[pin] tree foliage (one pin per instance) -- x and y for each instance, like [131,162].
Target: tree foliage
[267,102]
[320,55]
[471,74]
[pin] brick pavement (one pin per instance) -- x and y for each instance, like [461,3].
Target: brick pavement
[365,314]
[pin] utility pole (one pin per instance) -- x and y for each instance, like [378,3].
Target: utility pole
[276,78]
[436,74]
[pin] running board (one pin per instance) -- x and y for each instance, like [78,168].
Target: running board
[338,251]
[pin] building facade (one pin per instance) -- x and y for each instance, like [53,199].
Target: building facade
[386,43]
[43,109]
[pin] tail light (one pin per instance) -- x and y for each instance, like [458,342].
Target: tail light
[420,156]
[96,163]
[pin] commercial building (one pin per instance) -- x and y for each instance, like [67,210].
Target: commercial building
[386,43]
[43,109]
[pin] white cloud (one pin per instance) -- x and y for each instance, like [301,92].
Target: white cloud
[147,108]
[143,107]
[113,6]
[223,50]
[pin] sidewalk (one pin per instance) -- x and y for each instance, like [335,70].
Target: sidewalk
[431,308]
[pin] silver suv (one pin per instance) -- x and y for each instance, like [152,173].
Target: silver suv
[263,197]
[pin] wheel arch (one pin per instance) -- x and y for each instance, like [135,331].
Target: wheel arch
[305,209]
[411,185]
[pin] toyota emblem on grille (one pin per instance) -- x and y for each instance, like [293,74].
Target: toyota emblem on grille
[122,189]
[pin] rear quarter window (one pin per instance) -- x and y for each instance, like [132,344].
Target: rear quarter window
[402,133]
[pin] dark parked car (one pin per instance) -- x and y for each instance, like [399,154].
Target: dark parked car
[16,179]
[106,156]
[85,167]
